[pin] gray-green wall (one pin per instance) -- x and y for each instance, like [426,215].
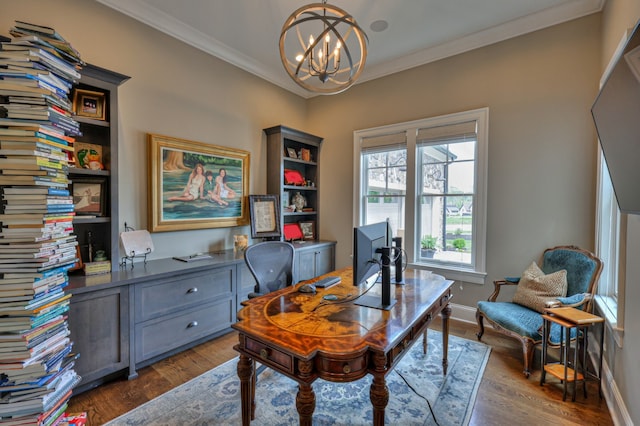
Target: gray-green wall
[542,143]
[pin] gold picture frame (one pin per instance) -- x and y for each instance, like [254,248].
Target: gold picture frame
[90,104]
[178,199]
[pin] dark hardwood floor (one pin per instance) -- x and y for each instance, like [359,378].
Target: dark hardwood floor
[505,396]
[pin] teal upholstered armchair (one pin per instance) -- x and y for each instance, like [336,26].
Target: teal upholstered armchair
[525,324]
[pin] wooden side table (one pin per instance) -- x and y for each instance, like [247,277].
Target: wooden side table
[567,319]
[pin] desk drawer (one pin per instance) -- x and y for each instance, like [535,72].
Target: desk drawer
[158,336]
[263,352]
[156,299]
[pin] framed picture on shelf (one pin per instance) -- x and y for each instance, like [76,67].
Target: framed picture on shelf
[90,196]
[195,185]
[90,104]
[305,154]
[308,229]
[78,265]
[292,153]
[285,202]
[88,156]
[265,216]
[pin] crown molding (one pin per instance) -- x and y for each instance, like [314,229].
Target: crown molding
[141,11]
[527,24]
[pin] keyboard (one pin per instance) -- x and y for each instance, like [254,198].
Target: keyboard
[327,282]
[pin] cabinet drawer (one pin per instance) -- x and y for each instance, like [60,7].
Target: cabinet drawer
[265,353]
[156,299]
[161,335]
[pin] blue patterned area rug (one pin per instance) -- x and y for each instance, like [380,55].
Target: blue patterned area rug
[213,398]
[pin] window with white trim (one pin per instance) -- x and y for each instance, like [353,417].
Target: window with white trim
[428,179]
[609,242]
[384,171]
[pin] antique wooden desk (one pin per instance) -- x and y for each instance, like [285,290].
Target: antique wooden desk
[305,336]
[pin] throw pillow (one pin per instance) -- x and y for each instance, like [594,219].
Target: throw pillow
[536,289]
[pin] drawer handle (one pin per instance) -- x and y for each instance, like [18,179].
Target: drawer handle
[264,353]
[192,290]
[346,369]
[192,324]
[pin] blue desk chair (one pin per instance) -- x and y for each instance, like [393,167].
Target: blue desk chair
[271,264]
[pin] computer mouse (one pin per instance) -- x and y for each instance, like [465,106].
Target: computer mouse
[307,288]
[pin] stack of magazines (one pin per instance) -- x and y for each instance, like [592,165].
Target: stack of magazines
[38,68]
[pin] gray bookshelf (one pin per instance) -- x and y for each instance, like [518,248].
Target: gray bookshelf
[280,141]
[104,229]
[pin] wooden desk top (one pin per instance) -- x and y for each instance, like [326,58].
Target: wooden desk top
[304,324]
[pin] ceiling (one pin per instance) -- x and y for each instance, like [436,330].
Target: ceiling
[246,33]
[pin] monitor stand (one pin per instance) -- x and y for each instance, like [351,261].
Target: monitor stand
[388,299]
[396,251]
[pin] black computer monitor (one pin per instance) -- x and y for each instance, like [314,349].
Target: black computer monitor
[367,240]
[371,257]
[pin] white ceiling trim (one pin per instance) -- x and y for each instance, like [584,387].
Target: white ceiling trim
[517,27]
[140,11]
[159,20]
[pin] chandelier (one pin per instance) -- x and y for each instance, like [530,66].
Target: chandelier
[322,48]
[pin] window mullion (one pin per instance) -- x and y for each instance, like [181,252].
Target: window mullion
[411,214]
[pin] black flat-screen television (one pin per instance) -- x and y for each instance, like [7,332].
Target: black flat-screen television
[372,258]
[616,113]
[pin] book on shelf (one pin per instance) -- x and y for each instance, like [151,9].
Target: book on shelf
[18,172]
[6,86]
[38,209]
[45,58]
[55,47]
[95,268]
[36,199]
[36,234]
[37,82]
[31,180]
[37,143]
[30,27]
[45,152]
[41,126]
[44,35]
[37,74]
[34,190]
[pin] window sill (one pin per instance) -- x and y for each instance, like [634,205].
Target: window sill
[608,308]
[456,274]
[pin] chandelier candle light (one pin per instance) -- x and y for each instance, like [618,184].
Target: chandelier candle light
[322,48]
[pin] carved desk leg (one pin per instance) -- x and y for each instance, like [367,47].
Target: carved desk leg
[379,392]
[245,374]
[446,313]
[306,398]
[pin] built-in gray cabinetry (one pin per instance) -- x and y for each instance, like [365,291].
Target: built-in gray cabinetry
[133,317]
[313,259]
[99,324]
[175,312]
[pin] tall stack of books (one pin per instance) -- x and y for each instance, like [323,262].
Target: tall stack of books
[37,246]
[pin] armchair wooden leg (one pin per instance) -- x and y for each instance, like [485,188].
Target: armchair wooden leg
[528,348]
[480,321]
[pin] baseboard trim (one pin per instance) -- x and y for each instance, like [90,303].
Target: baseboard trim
[615,402]
[463,313]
